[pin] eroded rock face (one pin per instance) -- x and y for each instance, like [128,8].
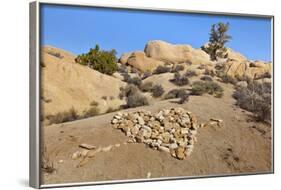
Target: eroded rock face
[170,130]
[252,70]
[140,61]
[171,53]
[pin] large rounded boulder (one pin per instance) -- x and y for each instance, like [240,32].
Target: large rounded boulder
[170,53]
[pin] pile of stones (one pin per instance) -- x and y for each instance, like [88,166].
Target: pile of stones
[170,130]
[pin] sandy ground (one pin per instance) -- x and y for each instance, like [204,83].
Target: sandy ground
[241,146]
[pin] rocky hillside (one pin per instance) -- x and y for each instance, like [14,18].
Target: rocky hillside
[66,84]
[158,52]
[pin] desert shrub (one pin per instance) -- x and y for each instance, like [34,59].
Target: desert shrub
[210,87]
[146,87]
[256,98]
[94,103]
[180,80]
[100,60]
[132,80]
[146,74]
[177,68]
[133,96]
[127,91]
[176,93]
[157,91]
[161,69]
[46,164]
[135,80]
[65,116]
[243,78]
[136,100]
[209,72]
[206,78]
[111,97]
[55,54]
[201,67]
[183,98]
[92,111]
[122,69]
[228,79]
[104,97]
[190,73]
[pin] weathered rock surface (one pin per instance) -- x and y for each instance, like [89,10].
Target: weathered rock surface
[252,70]
[140,61]
[179,53]
[170,130]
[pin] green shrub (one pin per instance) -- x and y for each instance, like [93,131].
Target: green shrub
[62,117]
[102,61]
[146,87]
[180,80]
[210,87]
[177,68]
[161,69]
[157,91]
[256,98]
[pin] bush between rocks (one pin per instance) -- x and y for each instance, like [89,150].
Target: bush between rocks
[206,78]
[177,68]
[161,69]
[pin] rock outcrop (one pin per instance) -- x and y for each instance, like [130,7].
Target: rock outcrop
[66,84]
[140,61]
[171,53]
[247,69]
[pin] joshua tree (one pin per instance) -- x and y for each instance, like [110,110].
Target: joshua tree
[217,40]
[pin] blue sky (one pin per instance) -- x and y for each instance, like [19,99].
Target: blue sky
[77,29]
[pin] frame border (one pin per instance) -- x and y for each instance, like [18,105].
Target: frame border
[35,81]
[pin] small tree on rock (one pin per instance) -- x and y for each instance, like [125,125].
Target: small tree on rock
[218,38]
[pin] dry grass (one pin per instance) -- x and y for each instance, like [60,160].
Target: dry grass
[46,164]
[62,117]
